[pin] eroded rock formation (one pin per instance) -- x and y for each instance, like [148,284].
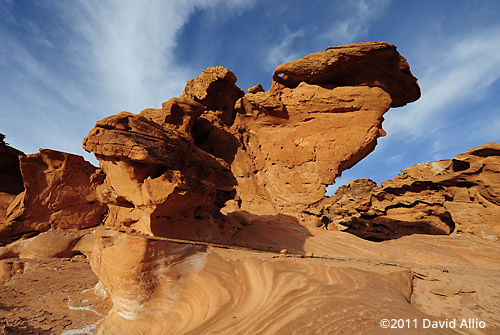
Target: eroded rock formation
[169,171]
[460,195]
[59,194]
[204,192]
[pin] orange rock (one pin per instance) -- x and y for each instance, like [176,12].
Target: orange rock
[297,144]
[59,194]
[459,195]
[10,176]
[169,171]
[374,64]
[157,181]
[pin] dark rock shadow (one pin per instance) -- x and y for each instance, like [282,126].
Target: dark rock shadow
[269,232]
[382,229]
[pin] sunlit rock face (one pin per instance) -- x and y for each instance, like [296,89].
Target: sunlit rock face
[59,194]
[460,195]
[210,210]
[169,171]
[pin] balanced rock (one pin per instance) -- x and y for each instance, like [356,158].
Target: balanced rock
[170,171]
[374,64]
[322,115]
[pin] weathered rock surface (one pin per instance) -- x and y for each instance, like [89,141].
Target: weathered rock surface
[374,64]
[10,174]
[59,194]
[322,115]
[157,181]
[210,197]
[459,195]
[169,171]
[200,289]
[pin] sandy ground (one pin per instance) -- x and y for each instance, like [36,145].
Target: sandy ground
[54,296]
[347,287]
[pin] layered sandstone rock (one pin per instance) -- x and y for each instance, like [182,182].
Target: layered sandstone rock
[158,182]
[204,289]
[248,171]
[374,64]
[59,194]
[459,195]
[169,171]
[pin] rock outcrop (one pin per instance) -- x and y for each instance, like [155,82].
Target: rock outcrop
[322,115]
[10,174]
[169,171]
[59,194]
[207,205]
[459,195]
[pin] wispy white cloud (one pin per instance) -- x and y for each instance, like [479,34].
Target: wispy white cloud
[88,60]
[351,20]
[459,74]
[358,14]
[285,51]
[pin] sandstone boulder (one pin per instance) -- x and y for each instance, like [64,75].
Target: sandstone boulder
[374,64]
[158,182]
[169,171]
[59,194]
[459,195]
[322,115]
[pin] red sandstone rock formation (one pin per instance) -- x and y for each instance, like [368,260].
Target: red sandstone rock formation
[10,174]
[169,171]
[460,195]
[263,159]
[59,194]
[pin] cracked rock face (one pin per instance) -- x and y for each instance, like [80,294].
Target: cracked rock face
[456,195]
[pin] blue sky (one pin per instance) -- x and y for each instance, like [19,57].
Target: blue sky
[66,64]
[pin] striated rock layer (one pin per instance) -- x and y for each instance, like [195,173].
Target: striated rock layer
[210,200]
[165,287]
[460,195]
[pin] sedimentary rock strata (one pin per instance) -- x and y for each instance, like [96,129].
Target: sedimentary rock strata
[459,195]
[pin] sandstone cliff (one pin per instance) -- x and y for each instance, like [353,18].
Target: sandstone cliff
[11,180]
